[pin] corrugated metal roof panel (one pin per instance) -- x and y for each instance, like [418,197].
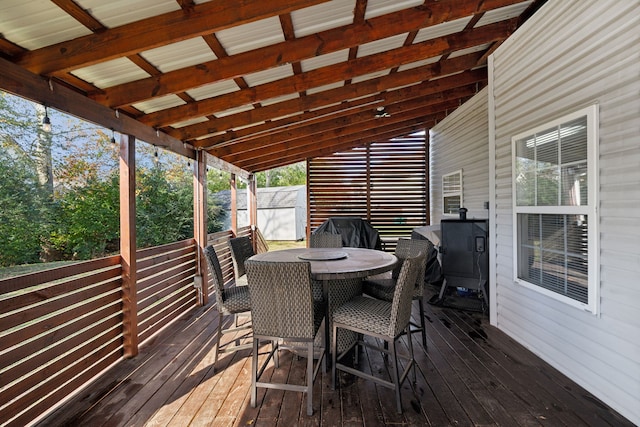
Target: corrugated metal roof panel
[324,87]
[269,75]
[159,103]
[33,24]
[324,60]
[370,76]
[381,7]
[441,29]
[382,45]
[189,122]
[473,49]
[179,55]
[253,35]
[277,99]
[321,17]
[114,13]
[111,73]
[419,63]
[214,89]
[502,13]
[231,111]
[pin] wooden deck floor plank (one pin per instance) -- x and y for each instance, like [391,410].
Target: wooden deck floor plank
[233,401]
[471,374]
[563,394]
[348,407]
[425,400]
[183,384]
[457,377]
[441,405]
[380,367]
[372,414]
[294,404]
[136,391]
[505,408]
[107,389]
[493,360]
[557,402]
[187,402]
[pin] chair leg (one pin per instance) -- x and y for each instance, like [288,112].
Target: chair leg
[276,353]
[395,374]
[424,327]
[334,351]
[412,360]
[254,373]
[218,338]
[310,378]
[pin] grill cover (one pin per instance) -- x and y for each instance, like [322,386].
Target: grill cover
[356,232]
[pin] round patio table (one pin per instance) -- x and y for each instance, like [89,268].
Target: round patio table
[340,270]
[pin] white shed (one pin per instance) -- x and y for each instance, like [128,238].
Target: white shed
[282,211]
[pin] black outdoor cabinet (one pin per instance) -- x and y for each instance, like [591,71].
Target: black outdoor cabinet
[465,256]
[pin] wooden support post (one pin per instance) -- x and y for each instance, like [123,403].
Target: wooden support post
[200,280]
[128,244]
[252,208]
[234,204]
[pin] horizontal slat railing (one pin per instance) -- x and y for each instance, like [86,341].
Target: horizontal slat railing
[383,182]
[60,328]
[165,288]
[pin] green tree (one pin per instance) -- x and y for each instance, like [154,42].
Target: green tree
[22,217]
[87,220]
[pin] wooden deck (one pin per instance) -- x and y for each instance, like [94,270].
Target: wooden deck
[470,375]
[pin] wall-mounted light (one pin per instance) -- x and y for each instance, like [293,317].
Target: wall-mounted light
[46,122]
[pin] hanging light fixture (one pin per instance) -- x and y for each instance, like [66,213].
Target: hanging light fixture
[46,122]
[113,137]
[381,112]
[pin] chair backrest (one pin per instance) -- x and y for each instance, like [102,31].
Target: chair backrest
[325,240]
[241,249]
[281,299]
[215,270]
[403,294]
[410,248]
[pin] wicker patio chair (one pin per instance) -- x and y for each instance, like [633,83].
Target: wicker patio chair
[283,309]
[325,240]
[382,320]
[241,250]
[383,286]
[230,302]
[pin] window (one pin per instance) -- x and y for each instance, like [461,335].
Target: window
[554,193]
[452,192]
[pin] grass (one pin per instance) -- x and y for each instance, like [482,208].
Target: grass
[19,270]
[275,245]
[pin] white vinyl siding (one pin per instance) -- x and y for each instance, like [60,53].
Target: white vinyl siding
[568,56]
[460,143]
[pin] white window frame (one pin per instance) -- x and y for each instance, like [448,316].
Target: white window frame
[590,210]
[455,193]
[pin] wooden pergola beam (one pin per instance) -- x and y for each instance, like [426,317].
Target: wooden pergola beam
[372,128]
[309,80]
[171,27]
[348,143]
[398,106]
[332,96]
[15,79]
